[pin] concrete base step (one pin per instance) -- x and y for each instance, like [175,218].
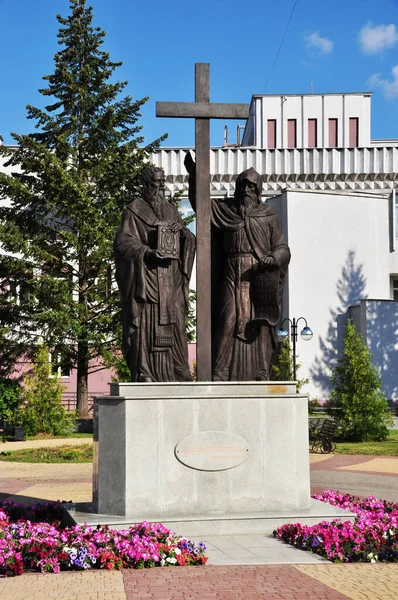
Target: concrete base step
[212,523]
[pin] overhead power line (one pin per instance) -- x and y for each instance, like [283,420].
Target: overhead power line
[281,44]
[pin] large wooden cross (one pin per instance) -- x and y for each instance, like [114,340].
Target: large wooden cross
[202,111]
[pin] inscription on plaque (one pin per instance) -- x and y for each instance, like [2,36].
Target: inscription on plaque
[276,389]
[212,450]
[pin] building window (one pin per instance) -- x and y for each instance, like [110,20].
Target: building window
[24,291]
[104,284]
[271,133]
[394,288]
[395,200]
[64,366]
[312,133]
[17,290]
[353,132]
[12,289]
[333,133]
[292,133]
[186,211]
[60,362]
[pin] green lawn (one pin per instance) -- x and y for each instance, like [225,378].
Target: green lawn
[43,436]
[387,448]
[63,454]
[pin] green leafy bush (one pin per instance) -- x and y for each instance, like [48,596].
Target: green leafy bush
[313,403]
[42,410]
[10,396]
[363,412]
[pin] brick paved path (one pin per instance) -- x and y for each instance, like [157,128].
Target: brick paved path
[272,582]
[263,582]
[83,585]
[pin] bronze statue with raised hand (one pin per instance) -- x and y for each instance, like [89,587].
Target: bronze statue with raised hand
[249,264]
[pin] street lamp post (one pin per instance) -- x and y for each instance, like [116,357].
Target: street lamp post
[306,334]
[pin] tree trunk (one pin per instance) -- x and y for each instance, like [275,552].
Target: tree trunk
[82,381]
[82,344]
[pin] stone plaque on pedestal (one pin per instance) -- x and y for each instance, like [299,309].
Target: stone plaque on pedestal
[212,451]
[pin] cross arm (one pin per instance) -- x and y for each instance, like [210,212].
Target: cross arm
[202,110]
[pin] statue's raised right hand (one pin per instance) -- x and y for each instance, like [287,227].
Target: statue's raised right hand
[189,163]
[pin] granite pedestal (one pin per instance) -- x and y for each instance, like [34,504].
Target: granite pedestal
[205,458]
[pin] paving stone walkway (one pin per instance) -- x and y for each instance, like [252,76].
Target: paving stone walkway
[359,475]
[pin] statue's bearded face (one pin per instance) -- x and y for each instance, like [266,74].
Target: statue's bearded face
[155,193]
[247,196]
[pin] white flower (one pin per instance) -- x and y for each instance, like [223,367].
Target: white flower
[162,562]
[171,560]
[177,551]
[373,557]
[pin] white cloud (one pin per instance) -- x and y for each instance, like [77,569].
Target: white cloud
[390,88]
[314,40]
[378,38]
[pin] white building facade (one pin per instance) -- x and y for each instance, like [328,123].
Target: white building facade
[333,188]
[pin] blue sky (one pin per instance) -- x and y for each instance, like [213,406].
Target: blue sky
[337,46]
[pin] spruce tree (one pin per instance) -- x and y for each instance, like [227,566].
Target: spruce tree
[71,180]
[363,409]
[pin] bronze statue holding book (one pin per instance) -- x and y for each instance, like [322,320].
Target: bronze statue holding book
[154,254]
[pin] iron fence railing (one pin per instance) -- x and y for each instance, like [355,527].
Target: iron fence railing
[69,400]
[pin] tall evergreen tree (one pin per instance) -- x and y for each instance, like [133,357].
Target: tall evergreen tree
[71,180]
[363,409]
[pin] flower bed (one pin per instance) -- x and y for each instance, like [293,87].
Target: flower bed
[371,537]
[31,538]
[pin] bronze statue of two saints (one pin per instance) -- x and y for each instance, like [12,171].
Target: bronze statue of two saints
[154,254]
[242,260]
